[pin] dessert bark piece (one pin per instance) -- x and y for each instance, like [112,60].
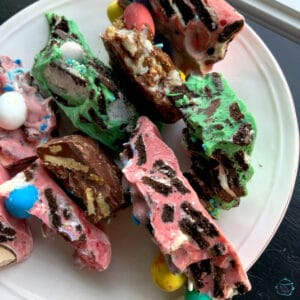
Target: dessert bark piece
[182,228]
[86,171]
[15,236]
[220,136]
[59,214]
[18,145]
[148,72]
[82,85]
[199,31]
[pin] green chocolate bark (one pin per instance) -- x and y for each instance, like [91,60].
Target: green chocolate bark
[83,87]
[220,136]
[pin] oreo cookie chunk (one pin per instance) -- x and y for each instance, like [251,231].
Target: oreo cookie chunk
[87,172]
[82,85]
[181,227]
[220,136]
[148,73]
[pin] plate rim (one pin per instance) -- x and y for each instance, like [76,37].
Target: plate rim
[35,9]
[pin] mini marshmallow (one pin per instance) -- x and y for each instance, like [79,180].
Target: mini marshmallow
[13,110]
[72,50]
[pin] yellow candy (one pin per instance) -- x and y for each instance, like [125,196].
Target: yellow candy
[114,11]
[182,75]
[162,276]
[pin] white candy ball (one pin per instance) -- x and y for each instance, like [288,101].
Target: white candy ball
[13,110]
[72,50]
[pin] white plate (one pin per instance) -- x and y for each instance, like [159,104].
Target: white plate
[254,74]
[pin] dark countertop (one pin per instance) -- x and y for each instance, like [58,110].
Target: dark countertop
[276,275]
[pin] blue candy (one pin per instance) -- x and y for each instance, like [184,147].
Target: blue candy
[21,200]
[135,219]
[43,127]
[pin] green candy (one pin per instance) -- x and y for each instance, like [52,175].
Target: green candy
[194,295]
[83,87]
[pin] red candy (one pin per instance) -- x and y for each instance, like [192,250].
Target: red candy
[136,15]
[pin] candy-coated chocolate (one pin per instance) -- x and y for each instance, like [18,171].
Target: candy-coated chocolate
[72,50]
[182,75]
[13,110]
[21,200]
[162,276]
[136,15]
[194,295]
[114,11]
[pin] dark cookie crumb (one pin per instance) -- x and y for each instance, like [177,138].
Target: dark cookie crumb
[128,151]
[199,271]
[201,221]
[3,239]
[157,186]
[28,174]
[239,158]
[217,81]
[210,51]
[219,282]
[168,213]
[230,30]
[235,112]
[218,249]
[233,264]
[210,110]
[244,135]
[191,229]
[82,238]
[180,187]
[204,15]
[241,288]
[185,11]
[8,231]
[162,167]
[53,208]
[78,227]
[167,8]
[140,147]
[67,214]
[98,120]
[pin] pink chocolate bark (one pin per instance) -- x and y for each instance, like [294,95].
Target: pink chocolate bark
[15,236]
[182,228]
[60,214]
[19,146]
[199,31]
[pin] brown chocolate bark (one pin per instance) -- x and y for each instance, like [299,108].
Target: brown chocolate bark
[87,172]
